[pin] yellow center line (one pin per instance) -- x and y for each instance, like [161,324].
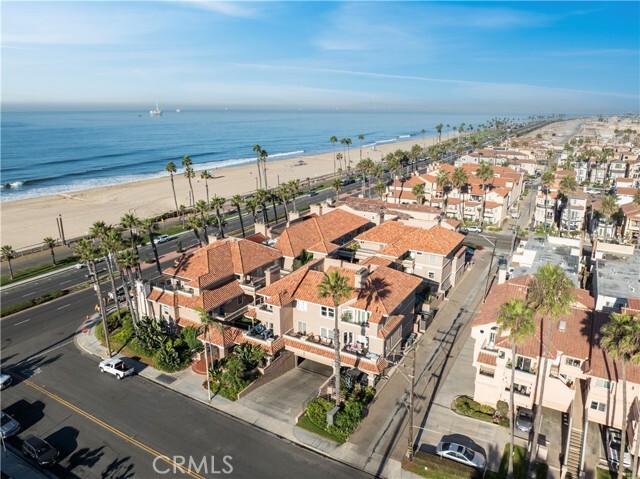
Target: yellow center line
[115,431]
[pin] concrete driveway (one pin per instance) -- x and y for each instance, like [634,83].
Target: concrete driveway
[442,422]
[286,396]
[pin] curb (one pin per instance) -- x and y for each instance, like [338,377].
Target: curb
[88,324]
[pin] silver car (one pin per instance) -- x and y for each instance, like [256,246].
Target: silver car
[8,425]
[462,454]
[5,381]
[524,420]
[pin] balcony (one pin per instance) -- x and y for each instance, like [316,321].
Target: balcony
[489,372]
[533,371]
[174,288]
[347,317]
[253,284]
[231,315]
[520,390]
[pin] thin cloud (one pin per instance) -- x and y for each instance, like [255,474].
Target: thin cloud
[433,80]
[231,9]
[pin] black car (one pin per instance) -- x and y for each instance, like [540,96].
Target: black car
[40,451]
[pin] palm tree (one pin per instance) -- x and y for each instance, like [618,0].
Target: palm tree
[515,320]
[636,197]
[419,192]
[361,138]
[617,341]
[609,208]
[129,262]
[88,254]
[460,179]
[258,150]
[546,181]
[333,141]
[150,226]
[439,131]
[218,203]
[263,159]
[339,158]
[568,185]
[171,169]
[262,196]
[207,321]
[337,187]
[189,174]
[550,294]
[50,243]
[294,188]
[202,208]
[131,222]
[251,203]
[8,253]
[236,200]
[283,194]
[443,180]
[336,287]
[380,189]
[112,244]
[484,173]
[195,223]
[101,231]
[206,176]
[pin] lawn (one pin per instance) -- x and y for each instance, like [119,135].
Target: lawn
[305,423]
[38,270]
[434,467]
[520,466]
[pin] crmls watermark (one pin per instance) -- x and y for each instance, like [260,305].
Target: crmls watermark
[204,464]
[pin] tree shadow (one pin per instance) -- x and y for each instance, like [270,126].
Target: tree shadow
[64,440]
[85,457]
[26,413]
[119,469]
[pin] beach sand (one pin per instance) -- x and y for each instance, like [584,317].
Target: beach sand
[25,223]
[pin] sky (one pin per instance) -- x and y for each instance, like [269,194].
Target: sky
[525,57]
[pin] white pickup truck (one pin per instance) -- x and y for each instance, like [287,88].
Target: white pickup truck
[117,367]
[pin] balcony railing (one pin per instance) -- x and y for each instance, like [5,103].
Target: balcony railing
[173,288]
[532,370]
[487,372]
[254,283]
[230,316]
[520,391]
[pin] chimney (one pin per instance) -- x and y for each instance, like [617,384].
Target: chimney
[272,275]
[262,228]
[361,278]
[502,274]
[562,325]
[317,209]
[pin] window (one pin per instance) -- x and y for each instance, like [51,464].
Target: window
[433,259]
[326,333]
[361,316]
[327,312]
[601,383]
[598,406]
[347,338]
[524,364]
[431,275]
[302,327]
[573,362]
[301,305]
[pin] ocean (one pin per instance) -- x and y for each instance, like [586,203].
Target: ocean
[47,153]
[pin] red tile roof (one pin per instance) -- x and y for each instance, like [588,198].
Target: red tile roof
[229,336]
[323,229]
[222,259]
[207,300]
[390,325]
[486,358]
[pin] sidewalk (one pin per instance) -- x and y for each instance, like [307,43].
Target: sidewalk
[190,384]
[384,432]
[16,467]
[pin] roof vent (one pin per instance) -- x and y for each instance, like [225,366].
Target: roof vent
[562,325]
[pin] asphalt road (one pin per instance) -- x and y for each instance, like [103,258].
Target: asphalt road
[114,429]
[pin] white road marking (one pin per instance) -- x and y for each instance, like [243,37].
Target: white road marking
[28,294]
[21,322]
[65,282]
[51,349]
[65,306]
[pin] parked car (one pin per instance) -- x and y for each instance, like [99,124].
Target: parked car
[462,454]
[613,448]
[161,239]
[524,420]
[515,215]
[8,425]
[473,229]
[117,367]
[5,381]
[80,265]
[40,451]
[313,193]
[502,261]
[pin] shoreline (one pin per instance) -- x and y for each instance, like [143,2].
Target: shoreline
[25,222]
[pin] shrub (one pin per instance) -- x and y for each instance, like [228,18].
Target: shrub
[168,358]
[190,338]
[317,411]
[502,409]
[149,335]
[250,355]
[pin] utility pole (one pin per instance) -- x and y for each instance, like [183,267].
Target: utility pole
[486,287]
[411,398]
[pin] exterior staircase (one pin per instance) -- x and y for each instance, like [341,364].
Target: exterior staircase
[573,458]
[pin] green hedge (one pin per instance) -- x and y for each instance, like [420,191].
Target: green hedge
[466,406]
[16,308]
